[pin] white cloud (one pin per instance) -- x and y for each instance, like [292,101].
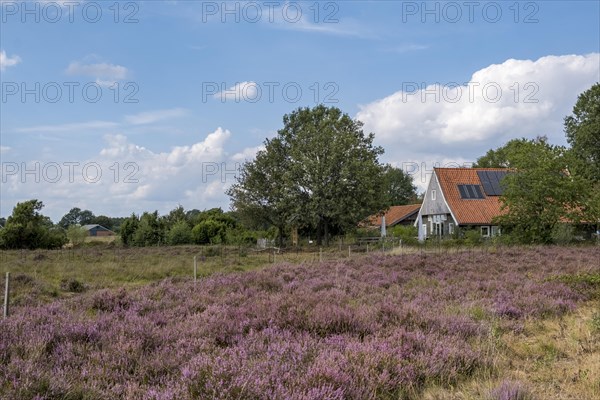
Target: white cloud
[133,178]
[244,91]
[247,154]
[6,61]
[517,98]
[73,127]
[4,149]
[103,73]
[149,117]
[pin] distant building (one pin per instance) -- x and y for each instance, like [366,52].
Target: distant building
[97,230]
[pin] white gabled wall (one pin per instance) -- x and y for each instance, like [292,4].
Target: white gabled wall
[433,206]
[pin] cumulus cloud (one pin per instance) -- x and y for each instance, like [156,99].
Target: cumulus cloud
[6,61]
[244,91]
[517,98]
[105,74]
[131,178]
[247,154]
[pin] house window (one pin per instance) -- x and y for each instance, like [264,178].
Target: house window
[424,230]
[485,231]
[451,228]
[496,231]
[433,194]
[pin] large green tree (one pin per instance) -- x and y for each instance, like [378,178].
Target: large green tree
[261,196]
[28,228]
[540,192]
[76,216]
[320,170]
[398,186]
[583,134]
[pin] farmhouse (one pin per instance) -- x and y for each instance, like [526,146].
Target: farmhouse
[461,197]
[97,230]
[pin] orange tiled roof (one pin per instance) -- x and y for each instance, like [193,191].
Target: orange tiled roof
[395,214]
[468,211]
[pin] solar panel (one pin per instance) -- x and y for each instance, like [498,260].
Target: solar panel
[485,181]
[491,182]
[470,192]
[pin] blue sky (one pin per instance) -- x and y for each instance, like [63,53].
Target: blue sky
[438,83]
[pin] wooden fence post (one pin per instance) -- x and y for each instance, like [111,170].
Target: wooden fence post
[195,270]
[6,294]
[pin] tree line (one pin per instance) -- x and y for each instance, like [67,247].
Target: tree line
[321,175]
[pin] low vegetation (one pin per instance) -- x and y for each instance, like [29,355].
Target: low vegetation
[492,325]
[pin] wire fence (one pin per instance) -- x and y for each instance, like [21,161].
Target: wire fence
[38,276]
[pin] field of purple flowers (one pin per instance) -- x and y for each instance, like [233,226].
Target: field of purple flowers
[378,327]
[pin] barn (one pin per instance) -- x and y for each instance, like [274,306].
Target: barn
[97,230]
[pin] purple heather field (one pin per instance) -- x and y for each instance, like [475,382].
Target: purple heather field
[377,326]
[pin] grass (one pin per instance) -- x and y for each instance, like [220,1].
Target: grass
[540,351]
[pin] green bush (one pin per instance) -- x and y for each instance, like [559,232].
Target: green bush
[209,232]
[473,237]
[408,234]
[180,233]
[76,235]
[563,233]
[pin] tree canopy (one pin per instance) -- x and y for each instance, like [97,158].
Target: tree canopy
[27,228]
[398,186]
[540,192]
[583,134]
[320,171]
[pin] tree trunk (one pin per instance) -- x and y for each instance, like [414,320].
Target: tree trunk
[320,232]
[326,223]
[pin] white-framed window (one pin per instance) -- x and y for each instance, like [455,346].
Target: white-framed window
[433,194]
[485,231]
[451,228]
[496,231]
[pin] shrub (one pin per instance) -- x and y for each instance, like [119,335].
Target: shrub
[180,233]
[209,231]
[473,237]
[563,234]
[76,235]
[72,285]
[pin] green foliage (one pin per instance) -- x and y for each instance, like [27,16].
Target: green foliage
[209,231]
[563,233]
[583,133]
[128,228]
[27,228]
[407,233]
[176,215]
[76,235]
[321,172]
[76,216]
[150,231]
[540,192]
[180,233]
[398,186]
[472,237]
[103,220]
